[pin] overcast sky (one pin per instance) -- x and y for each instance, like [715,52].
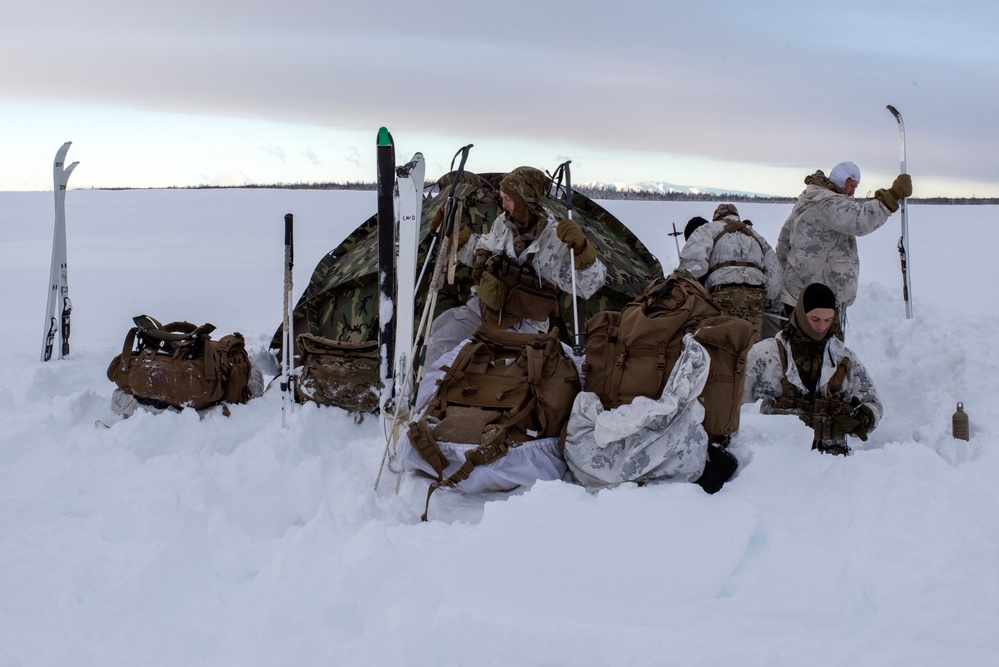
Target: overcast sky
[747,96]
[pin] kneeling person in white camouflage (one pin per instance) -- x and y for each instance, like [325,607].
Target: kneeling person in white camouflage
[809,372]
[519,265]
[735,264]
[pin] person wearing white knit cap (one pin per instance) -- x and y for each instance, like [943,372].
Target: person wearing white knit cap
[818,243]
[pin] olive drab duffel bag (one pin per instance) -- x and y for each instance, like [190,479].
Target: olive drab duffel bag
[178,365]
[631,353]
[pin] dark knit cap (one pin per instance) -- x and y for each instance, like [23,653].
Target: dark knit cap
[817,295]
[693,224]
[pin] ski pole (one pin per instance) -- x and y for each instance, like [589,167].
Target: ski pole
[675,234]
[436,278]
[287,351]
[577,348]
[903,240]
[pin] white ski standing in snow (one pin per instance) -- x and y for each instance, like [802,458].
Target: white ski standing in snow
[903,241]
[410,182]
[58,306]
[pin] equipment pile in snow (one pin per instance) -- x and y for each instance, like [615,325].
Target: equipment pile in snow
[341,302]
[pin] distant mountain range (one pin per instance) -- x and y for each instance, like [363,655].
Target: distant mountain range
[660,188]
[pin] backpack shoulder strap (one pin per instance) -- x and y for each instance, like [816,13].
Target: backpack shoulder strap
[740,227]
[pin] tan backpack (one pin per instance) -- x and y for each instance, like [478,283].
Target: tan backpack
[632,353]
[178,365]
[338,373]
[501,390]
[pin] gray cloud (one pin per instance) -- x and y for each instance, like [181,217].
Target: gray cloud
[761,84]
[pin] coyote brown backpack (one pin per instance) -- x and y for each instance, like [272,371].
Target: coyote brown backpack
[179,365]
[502,389]
[632,353]
[338,373]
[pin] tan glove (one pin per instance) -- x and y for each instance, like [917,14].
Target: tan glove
[857,423]
[902,187]
[570,234]
[492,292]
[899,190]
[464,233]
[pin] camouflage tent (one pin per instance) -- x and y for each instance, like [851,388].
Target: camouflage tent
[341,300]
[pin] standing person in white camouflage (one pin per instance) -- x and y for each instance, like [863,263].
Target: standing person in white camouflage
[519,265]
[818,243]
[807,371]
[736,265]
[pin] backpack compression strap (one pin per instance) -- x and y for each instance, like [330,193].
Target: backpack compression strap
[152,331]
[740,227]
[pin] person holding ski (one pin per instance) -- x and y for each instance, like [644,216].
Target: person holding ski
[519,265]
[807,371]
[735,264]
[818,242]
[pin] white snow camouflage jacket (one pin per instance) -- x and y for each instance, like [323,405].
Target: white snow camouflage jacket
[764,372]
[702,251]
[552,261]
[818,243]
[647,440]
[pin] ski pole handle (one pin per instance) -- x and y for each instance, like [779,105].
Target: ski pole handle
[449,206]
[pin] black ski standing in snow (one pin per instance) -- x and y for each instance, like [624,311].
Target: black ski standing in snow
[288,321]
[386,258]
[58,306]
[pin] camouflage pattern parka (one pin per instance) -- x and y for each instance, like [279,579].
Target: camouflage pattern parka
[702,251]
[764,373]
[551,261]
[818,243]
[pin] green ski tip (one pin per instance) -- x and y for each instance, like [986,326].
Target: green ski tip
[383,137]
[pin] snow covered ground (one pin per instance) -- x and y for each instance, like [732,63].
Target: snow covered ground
[169,540]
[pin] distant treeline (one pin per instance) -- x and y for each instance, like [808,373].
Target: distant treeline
[594,193]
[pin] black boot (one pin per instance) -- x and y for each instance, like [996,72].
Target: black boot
[718,469]
[836,447]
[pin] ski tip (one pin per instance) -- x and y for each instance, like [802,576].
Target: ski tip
[384,138]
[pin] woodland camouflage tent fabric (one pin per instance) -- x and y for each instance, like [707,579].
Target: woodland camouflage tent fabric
[341,300]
